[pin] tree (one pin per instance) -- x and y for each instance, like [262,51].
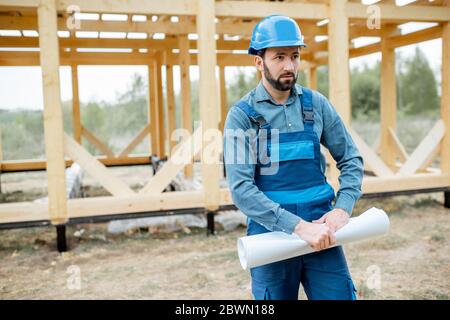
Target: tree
[417,86]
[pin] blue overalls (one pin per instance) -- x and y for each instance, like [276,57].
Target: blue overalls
[300,187]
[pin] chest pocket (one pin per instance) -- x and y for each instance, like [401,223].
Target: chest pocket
[292,150]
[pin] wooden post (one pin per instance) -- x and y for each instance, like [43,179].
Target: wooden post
[223,97]
[338,58]
[388,98]
[445,106]
[153,107]
[258,75]
[161,113]
[53,120]
[207,61]
[76,115]
[186,108]
[1,158]
[171,112]
[339,75]
[311,75]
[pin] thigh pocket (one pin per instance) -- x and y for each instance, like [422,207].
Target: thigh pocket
[352,289]
[269,273]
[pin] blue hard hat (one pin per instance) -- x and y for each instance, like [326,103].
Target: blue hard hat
[275,31]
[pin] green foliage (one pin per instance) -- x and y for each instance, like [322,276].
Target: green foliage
[417,86]
[365,92]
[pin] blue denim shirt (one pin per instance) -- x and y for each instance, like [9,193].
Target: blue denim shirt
[287,118]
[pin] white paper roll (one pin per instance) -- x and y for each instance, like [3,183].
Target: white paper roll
[274,246]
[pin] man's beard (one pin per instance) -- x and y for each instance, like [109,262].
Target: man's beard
[277,84]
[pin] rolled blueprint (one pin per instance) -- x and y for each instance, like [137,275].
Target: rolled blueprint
[274,246]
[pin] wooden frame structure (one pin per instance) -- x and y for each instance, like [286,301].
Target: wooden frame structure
[215,23]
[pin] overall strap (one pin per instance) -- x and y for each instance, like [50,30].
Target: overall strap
[307,109]
[253,115]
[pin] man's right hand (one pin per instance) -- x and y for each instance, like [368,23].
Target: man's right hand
[318,236]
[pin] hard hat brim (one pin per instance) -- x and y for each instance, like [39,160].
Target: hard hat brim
[253,51]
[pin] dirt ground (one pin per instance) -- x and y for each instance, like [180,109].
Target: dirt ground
[411,262]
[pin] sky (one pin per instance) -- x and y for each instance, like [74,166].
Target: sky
[21,87]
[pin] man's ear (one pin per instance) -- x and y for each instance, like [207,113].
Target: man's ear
[259,63]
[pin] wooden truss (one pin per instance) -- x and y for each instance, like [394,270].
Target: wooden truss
[223,29]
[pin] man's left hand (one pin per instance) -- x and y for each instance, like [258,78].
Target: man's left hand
[335,219]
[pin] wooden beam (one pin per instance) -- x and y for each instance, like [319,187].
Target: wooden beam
[445,99]
[415,37]
[1,157]
[186,107]
[76,116]
[153,107]
[208,100]
[171,111]
[405,13]
[136,140]
[263,9]
[20,3]
[161,109]
[37,164]
[339,75]
[94,168]
[311,76]
[183,155]
[424,150]
[100,206]
[370,157]
[395,183]
[97,142]
[53,119]
[388,98]
[399,148]
[156,7]
[223,98]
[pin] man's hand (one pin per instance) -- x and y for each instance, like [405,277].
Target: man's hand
[334,219]
[318,236]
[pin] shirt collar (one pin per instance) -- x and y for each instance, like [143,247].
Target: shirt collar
[261,94]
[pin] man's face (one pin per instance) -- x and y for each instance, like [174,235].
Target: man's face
[280,67]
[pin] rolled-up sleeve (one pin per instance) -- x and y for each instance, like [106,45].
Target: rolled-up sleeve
[240,177]
[337,139]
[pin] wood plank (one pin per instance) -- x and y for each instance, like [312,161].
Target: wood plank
[76,116]
[97,142]
[415,37]
[37,164]
[136,140]
[156,7]
[95,168]
[99,206]
[20,3]
[261,10]
[339,74]
[402,183]
[186,104]
[311,75]
[171,111]
[153,107]
[424,150]
[161,110]
[373,161]
[404,13]
[53,119]
[388,98]
[208,100]
[182,155]
[399,148]
[445,98]
[223,98]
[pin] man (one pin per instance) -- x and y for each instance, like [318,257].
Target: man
[285,189]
